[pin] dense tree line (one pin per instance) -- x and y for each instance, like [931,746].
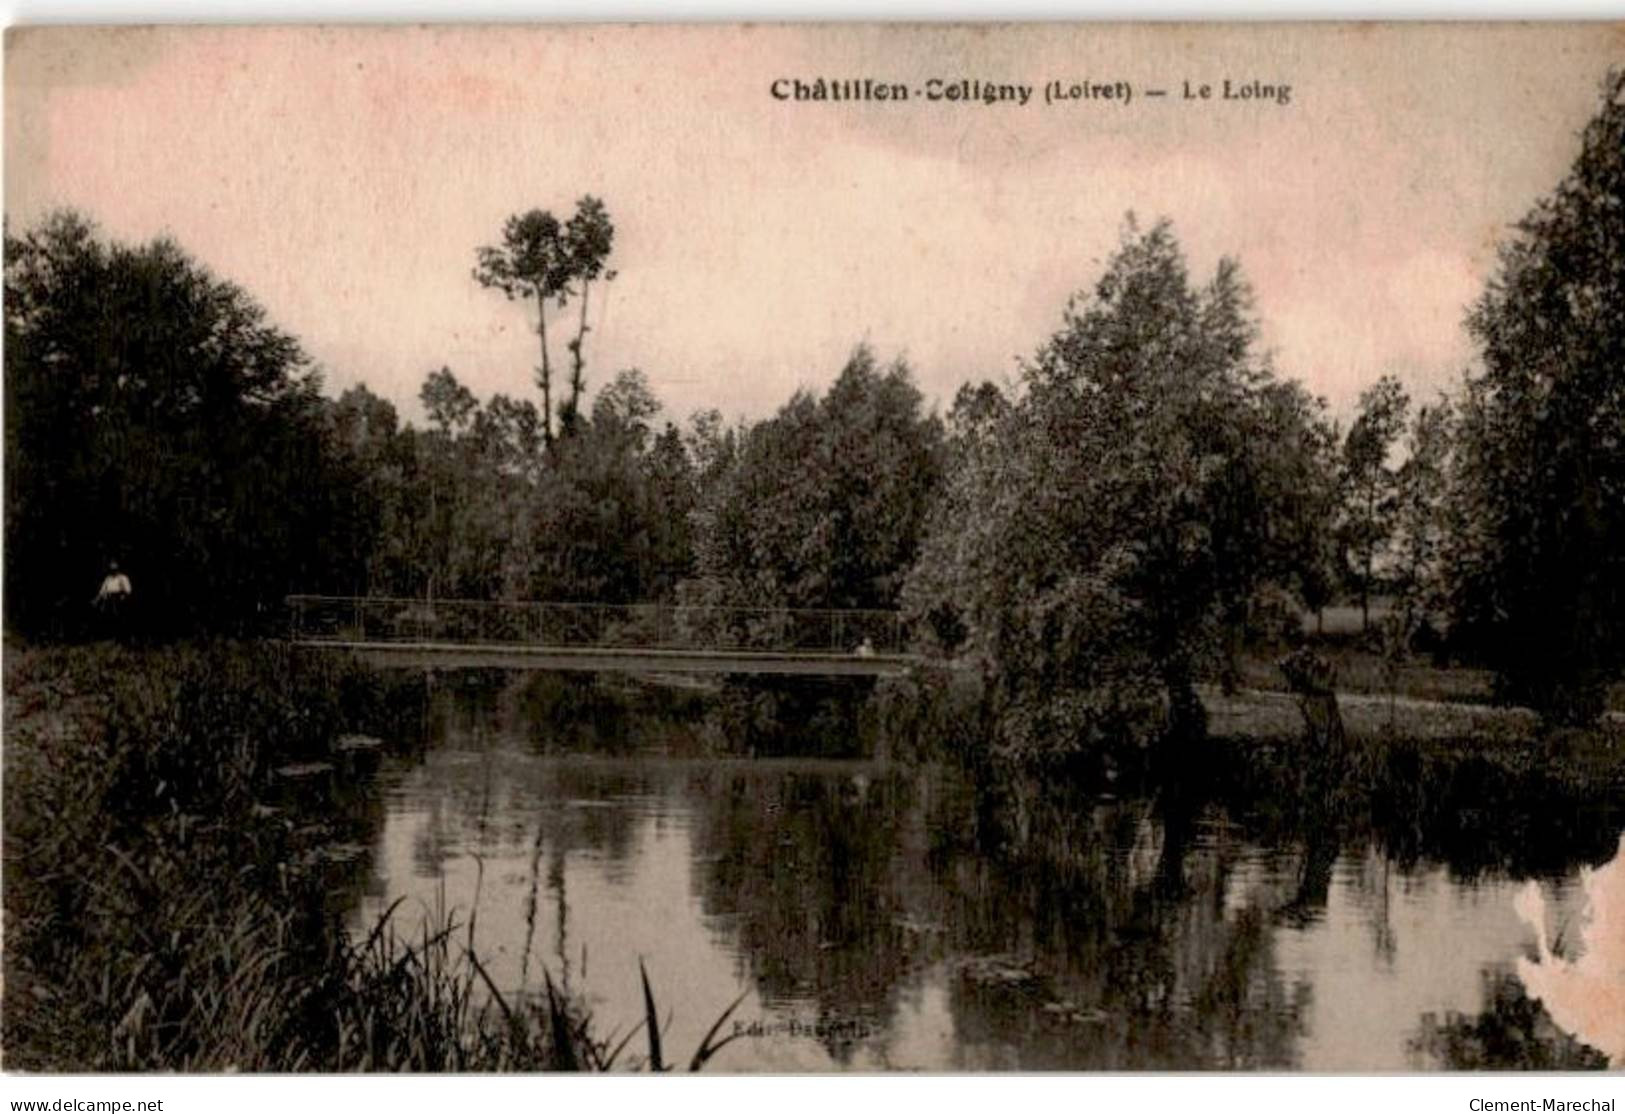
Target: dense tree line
[1499,512]
[476,506]
[1091,538]
[154,417]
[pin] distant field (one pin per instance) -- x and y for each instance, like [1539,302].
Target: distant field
[1253,714]
[1511,737]
[1365,671]
[1344,618]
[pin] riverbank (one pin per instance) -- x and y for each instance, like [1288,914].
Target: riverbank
[1272,716]
[1364,671]
[1442,711]
[173,817]
[165,836]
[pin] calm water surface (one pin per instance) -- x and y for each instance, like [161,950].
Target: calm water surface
[859,908]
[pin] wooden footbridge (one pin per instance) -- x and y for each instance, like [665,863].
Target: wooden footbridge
[626,638]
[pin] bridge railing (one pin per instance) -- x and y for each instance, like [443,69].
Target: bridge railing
[592,625]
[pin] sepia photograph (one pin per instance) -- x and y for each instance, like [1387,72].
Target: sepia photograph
[815,548]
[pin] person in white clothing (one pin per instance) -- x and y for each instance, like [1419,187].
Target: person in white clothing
[112,600]
[115,586]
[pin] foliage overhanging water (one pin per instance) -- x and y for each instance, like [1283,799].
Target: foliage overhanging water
[879,915]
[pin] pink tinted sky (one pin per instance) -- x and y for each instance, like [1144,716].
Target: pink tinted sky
[345,177]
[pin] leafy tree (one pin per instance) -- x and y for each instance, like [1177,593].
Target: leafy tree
[1419,507]
[154,416]
[1299,450]
[509,436]
[479,510]
[531,264]
[1099,529]
[1370,485]
[713,448]
[1538,568]
[1279,500]
[543,260]
[588,237]
[480,477]
[673,494]
[449,404]
[596,523]
[625,408]
[366,437]
[823,505]
[445,477]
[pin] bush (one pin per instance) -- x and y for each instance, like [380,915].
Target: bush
[163,914]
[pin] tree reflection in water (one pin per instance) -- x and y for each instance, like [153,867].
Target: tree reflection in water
[1138,948]
[928,916]
[1512,1031]
[809,864]
[1107,937]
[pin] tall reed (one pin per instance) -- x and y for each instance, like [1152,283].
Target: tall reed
[161,910]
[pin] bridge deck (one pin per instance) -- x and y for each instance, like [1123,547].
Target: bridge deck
[627,638]
[448,655]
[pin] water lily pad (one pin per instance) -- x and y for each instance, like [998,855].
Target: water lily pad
[304,769]
[997,970]
[343,852]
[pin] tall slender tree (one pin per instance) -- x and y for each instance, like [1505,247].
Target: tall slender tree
[1419,515]
[530,264]
[1370,484]
[543,260]
[588,237]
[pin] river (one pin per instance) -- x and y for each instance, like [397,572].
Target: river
[873,917]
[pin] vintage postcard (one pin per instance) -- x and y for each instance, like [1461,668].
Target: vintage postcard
[816,548]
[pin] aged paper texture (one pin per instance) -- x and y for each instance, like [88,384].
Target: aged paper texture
[814,547]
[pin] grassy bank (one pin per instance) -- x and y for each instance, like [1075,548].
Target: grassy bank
[1444,711]
[1364,671]
[164,903]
